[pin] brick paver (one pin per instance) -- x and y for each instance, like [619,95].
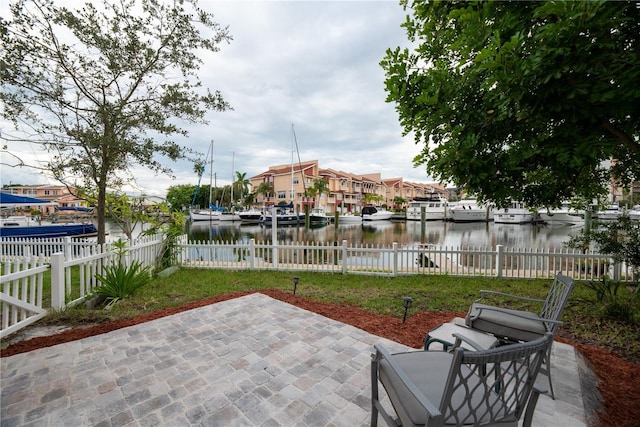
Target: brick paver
[251,361]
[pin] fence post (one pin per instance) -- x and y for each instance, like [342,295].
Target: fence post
[67,248]
[499,260]
[252,254]
[394,269]
[57,281]
[344,257]
[617,271]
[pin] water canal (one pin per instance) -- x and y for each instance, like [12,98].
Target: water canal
[385,233]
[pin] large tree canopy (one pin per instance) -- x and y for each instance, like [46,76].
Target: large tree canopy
[534,101]
[105,87]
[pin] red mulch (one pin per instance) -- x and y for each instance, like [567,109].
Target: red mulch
[619,380]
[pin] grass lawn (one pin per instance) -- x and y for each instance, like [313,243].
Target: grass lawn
[584,317]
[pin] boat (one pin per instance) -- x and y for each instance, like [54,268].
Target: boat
[214,212]
[468,210]
[47,231]
[516,213]
[252,216]
[23,226]
[372,213]
[74,209]
[634,213]
[435,208]
[229,216]
[349,218]
[610,213]
[317,216]
[562,215]
[284,216]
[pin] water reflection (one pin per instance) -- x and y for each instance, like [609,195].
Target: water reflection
[387,232]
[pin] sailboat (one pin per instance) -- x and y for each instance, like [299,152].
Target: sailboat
[213,213]
[230,215]
[285,214]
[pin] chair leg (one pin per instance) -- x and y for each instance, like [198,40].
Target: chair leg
[531,406]
[547,363]
[374,390]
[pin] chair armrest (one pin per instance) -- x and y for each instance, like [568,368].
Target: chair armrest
[512,313]
[382,353]
[459,338]
[502,294]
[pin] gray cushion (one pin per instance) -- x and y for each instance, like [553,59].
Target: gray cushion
[428,370]
[513,324]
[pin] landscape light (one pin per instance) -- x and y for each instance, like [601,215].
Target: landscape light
[407,305]
[295,283]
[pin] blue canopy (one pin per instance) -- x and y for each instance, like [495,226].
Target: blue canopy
[216,208]
[8,200]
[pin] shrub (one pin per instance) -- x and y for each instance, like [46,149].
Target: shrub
[120,282]
[607,295]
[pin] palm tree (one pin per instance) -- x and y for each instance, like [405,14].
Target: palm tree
[242,183]
[319,186]
[399,202]
[370,198]
[265,188]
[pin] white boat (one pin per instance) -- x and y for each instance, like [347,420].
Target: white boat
[562,215]
[436,209]
[349,218]
[468,210]
[213,213]
[196,214]
[372,213]
[252,216]
[611,213]
[284,216]
[634,213]
[317,216]
[517,213]
[229,216]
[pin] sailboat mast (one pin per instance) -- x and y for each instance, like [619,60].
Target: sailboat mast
[233,158]
[292,151]
[211,176]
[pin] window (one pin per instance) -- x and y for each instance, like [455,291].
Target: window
[282,194]
[295,181]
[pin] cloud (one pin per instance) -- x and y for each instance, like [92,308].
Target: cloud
[311,64]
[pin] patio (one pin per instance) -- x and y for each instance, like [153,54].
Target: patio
[249,361]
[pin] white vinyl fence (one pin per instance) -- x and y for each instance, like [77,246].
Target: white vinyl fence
[73,265]
[395,260]
[72,268]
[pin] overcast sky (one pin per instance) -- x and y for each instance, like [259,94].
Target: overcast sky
[311,64]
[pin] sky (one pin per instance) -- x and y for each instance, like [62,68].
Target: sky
[313,66]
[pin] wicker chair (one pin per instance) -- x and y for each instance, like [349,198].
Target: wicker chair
[437,388]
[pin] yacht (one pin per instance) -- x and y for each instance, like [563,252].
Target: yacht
[371,213]
[516,213]
[436,209]
[468,210]
[317,216]
[562,215]
[611,213]
[252,216]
